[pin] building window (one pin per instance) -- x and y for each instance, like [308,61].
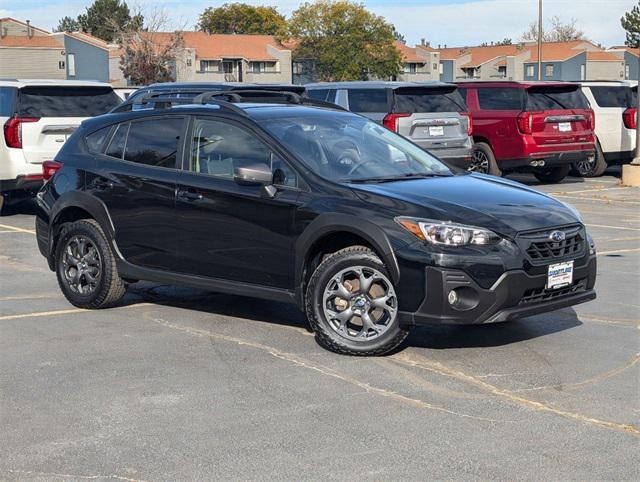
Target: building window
[502,71]
[626,71]
[262,67]
[61,65]
[441,68]
[530,71]
[411,68]
[188,62]
[298,68]
[548,70]
[71,65]
[209,66]
[583,72]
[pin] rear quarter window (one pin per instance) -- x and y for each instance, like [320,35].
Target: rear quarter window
[96,141]
[74,101]
[556,98]
[500,98]
[7,101]
[429,100]
[319,94]
[154,142]
[368,100]
[612,96]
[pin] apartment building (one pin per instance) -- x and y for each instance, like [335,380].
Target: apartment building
[419,63]
[28,52]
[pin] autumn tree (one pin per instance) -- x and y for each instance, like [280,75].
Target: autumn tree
[149,54]
[631,23]
[558,31]
[240,18]
[343,41]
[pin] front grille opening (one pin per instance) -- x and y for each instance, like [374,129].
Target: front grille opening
[542,294]
[551,250]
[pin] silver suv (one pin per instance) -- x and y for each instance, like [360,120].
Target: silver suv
[431,114]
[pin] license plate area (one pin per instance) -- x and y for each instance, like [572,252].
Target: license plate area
[564,126]
[560,275]
[436,131]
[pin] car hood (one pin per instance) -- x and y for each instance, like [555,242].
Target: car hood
[504,206]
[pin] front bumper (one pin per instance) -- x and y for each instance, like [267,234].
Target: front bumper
[515,294]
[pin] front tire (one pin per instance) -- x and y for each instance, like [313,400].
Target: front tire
[352,305]
[552,175]
[594,168]
[86,268]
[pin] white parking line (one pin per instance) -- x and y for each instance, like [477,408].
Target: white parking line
[623,228]
[16,229]
[589,190]
[630,250]
[584,198]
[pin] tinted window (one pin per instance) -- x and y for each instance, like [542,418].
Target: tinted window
[429,100]
[318,94]
[218,148]
[7,98]
[553,98]
[66,101]
[154,142]
[500,99]
[368,100]
[96,141]
[116,146]
[612,96]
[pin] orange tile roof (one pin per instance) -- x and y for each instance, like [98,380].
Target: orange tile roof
[22,41]
[558,51]
[601,55]
[626,48]
[409,54]
[217,46]
[479,55]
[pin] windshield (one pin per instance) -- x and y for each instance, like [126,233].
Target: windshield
[343,147]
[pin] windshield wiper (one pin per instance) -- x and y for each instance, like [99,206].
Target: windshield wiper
[397,177]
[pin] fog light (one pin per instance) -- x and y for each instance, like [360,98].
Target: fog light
[452,297]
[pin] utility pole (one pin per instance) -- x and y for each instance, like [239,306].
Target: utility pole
[539,39]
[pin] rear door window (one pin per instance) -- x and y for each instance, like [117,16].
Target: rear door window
[556,98]
[415,101]
[500,99]
[154,142]
[7,101]
[368,100]
[118,141]
[54,101]
[612,96]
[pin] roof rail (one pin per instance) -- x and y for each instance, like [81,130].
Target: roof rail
[205,98]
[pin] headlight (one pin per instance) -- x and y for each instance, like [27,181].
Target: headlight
[446,233]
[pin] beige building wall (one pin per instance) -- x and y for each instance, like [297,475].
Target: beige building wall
[604,70]
[116,78]
[9,27]
[32,63]
[430,70]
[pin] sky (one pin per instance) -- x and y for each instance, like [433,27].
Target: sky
[455,23]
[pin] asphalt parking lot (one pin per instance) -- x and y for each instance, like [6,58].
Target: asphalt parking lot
[182,384]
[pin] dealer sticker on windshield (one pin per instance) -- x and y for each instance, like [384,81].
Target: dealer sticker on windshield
[560,274]
[436,130]
[564,126]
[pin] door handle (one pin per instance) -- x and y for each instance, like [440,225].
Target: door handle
[189,195]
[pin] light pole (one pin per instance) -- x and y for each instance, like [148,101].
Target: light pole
[539,39]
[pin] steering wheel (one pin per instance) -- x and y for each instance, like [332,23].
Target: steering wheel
[359,165]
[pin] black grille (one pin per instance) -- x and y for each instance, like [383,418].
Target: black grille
[542,294]
[541,248]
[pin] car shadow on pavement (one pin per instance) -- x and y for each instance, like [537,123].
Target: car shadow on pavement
[19,206]
[441,337]
[431,336]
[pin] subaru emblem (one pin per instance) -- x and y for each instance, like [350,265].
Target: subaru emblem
[557,236]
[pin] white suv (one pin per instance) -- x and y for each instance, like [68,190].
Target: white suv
[37,116]
[614,104]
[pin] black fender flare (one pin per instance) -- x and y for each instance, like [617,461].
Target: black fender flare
[326,224]
[78,199]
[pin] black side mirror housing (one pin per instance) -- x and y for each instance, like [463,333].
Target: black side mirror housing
[253,175]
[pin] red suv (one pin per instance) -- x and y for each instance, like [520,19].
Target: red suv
[540,127]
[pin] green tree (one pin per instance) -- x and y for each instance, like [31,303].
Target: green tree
[631,23]
[343,41]
[106,17]
[505,41]
[240,18]
[67,24]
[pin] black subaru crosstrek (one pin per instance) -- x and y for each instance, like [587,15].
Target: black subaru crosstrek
[362,229]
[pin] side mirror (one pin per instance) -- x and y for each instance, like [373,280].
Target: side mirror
[253,174]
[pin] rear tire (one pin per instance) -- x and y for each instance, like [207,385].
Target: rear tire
[352,306]
[86,268]
[484,162]
[594,168]
[552,175]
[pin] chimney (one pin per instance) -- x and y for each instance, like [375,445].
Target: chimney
[3,31]
[422,41]
[29,31]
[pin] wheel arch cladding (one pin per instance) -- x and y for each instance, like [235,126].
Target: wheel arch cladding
[327,226]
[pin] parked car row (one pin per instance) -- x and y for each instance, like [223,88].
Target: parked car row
[495,128]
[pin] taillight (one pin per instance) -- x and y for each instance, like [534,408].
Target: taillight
[13,130]
[591,117]
[390,121]
[49,168]
[469,122]
[630,118]
[525,121]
